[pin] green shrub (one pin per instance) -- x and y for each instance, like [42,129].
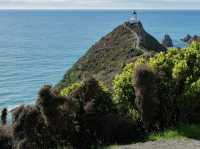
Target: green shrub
[66,91]
[193,90]
[179,73]
[181,68]
[123,90]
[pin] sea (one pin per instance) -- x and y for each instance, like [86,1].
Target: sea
[38,46]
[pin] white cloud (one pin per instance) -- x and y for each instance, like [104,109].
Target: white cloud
[179,4]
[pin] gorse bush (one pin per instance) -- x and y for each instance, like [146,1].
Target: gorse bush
[178,71]
[123,90]
[94,92]
[66,91]
[193,91]
[182,68]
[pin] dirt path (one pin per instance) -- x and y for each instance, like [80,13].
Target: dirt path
[169,144]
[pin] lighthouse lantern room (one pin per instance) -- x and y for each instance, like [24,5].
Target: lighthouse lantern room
[133,19]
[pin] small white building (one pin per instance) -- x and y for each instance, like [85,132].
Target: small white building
[133,19]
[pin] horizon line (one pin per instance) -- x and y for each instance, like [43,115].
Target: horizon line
[100,9]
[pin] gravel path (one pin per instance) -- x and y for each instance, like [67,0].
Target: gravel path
[169,144]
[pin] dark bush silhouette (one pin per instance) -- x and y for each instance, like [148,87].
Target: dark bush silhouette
[4,116]
[94,102]
[112,128]
[147,101]
[82,119]
[98,118]
[29,129]
[93,97]
[6,139]
[154,99]
[60,115]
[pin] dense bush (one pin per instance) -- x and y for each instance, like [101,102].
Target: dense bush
[147,100]
[98,121]
[123,90]
[29,129]
[182,67]
[6,139]
[178,72]
[93,93]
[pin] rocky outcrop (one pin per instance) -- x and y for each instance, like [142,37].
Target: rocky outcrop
[187,38]
[195,38]
[167,41]
[107,57]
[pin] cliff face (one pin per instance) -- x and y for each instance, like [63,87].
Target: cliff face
[107,57]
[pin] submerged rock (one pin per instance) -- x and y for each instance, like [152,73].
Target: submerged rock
[167,41]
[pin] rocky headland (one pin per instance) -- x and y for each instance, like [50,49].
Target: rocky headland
[111,53]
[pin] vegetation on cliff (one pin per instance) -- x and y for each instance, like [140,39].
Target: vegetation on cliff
[107,57]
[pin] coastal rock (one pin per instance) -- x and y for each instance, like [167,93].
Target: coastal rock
[195,38]
[167,41]
[187,38]
[107,56]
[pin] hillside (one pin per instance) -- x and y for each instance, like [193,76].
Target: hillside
[107,56]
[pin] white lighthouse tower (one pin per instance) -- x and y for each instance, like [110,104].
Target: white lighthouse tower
[133,19]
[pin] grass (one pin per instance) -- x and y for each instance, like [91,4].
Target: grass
[182,131]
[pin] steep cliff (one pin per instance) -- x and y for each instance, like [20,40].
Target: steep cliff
[107,57]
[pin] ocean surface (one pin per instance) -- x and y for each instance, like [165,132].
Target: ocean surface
[37,47]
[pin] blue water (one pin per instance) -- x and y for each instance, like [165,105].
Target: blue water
[37,47]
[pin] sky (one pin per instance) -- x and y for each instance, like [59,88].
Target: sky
[99,4]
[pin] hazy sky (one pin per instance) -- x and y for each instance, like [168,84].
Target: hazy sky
[101,4]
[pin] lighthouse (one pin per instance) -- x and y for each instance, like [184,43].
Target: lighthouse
[133,19]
